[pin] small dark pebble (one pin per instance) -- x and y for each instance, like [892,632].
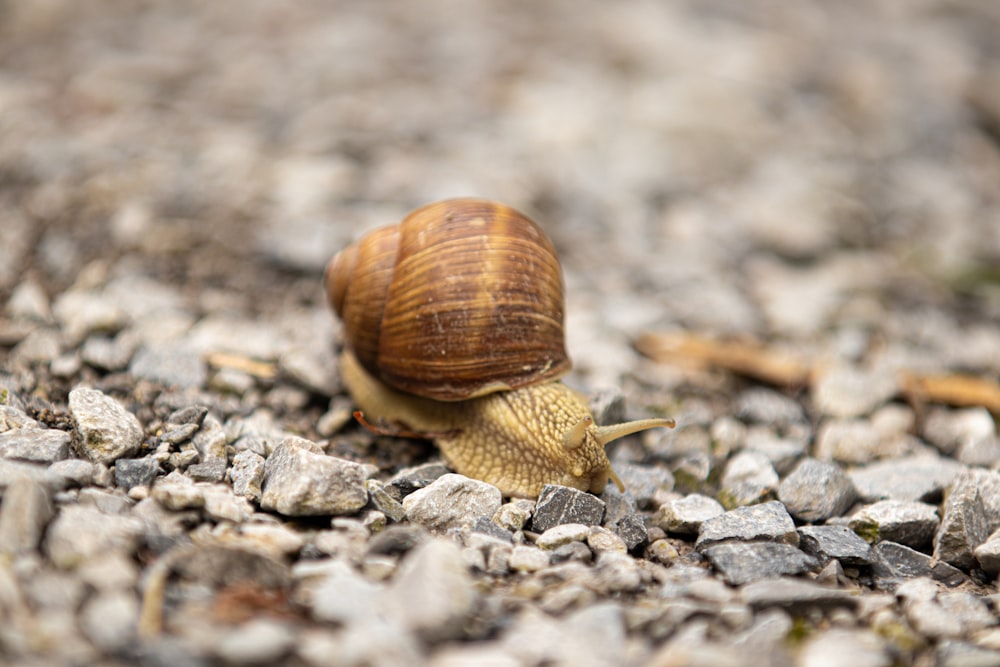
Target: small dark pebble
[743,562]
[835,542]
[136,472]
[561,504]
[892,563]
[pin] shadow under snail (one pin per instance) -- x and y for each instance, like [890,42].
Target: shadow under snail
[453,322]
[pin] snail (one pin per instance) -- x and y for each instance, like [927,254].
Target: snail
[453,327]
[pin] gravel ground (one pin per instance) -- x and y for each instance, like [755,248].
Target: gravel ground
[181,480]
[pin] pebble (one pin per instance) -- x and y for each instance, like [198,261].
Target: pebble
[524,558]
[743,562]
[850,441]
[434,574]
[562,534]
[41,445]
[848,391]
[964,522]
[108,354]
[260,641]
[795,595]
[136,472]
[512,516]
[561,504]
[25,511]
[452,501]
[835,542]
[109,620]
[300,482]
[942,614]
[768,521]
[106,430]
[384,502]
[80,533]
[906,522]
[644,483]
[951,430]
[845,647]
[169,364]
[766,406]
[247,475]
[685,515]
[893,563]
[987,554]
[748,479]
[816,491]
[918,477]
[79,472]
[602,540]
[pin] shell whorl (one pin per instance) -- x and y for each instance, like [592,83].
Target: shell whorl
[461,298]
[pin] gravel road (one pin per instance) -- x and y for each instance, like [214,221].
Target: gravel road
[181,481]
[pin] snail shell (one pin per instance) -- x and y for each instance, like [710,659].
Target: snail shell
[462,298]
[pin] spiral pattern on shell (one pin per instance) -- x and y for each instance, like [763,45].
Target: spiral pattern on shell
[462,298]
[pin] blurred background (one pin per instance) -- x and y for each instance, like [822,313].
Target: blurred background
[793,171]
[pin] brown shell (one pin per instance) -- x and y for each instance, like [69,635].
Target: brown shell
[462,298]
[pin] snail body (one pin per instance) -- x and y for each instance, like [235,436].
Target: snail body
[453,323]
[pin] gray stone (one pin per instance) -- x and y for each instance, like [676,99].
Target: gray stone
[601,540]
[943,614]
[918,477]
[743,562]
[512,516]
[485,526]
[410,479]
[179,434]
[25,511]
[835,542]
[384,502]
[644,482]
[765,406]
[452,501]
[562,534]
[964,525]
[816,491]
[615,573]
[259,641]
[621,516]
[78,472]
[949,430]
[894,563]
[527,558]
[768,521]
[212,470]
[299,482]
[562,504]
[434,574]
[851,441]
[685,515]
[906,522]
[247,475]
[782,451]
[136,472]
[988,554]
[954,653]
[845,647]
[169,364]
[42,445]
[343,595]
[84,312]
[109,620]
[109,354]
[80,533]
[848,391]
[221,504]
[106,430]
[748,478]
[795,595]
[632,531]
